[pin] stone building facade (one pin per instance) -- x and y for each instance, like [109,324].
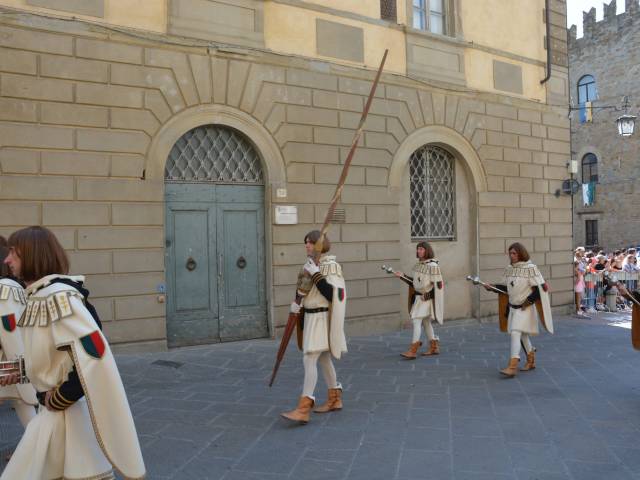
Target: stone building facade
[607,53]
[159,140]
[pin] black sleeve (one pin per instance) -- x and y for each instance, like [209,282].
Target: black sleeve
[535,295]
[68,393]
[502,288]
[325,288]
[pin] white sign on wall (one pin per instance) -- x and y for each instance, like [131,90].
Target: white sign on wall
[286,215]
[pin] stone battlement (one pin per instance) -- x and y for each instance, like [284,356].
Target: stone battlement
[592,30]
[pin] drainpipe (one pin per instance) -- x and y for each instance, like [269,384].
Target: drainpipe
[548,41]
[478,293]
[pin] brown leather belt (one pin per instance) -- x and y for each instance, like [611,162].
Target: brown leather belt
[316,310]
[425,296]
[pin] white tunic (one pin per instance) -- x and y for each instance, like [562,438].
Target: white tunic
[97,432]
[324,331]
[520,278]
[12,304]
[427,278]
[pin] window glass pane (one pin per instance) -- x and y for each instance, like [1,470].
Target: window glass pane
[582,94]
[591,92]
[436,23]
[418,19]
[435,5]
[418,3]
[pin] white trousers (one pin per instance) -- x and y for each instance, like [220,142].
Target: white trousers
[428,328]
[310,362]
[516,337]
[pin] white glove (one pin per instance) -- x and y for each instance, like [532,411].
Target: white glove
[311,268]
[294,308]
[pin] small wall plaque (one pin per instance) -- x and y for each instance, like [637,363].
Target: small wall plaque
[286,215]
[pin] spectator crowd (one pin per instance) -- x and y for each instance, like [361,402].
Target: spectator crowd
[595,275]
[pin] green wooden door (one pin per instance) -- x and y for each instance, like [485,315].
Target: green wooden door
[240,240]
[214,194]
[215,263]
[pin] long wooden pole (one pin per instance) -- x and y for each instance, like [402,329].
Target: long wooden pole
[345,169]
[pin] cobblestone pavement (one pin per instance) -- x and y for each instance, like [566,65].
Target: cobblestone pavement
[207,413]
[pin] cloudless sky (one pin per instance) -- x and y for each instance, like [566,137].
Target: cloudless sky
[576,7]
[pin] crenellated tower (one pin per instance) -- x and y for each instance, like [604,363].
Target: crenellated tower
[604,66]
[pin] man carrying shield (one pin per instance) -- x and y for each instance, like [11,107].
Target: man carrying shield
[528,303]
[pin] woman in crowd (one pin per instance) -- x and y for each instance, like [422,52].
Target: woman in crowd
[85,428]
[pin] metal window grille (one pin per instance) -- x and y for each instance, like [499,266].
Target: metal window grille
[213,154]
[433,194]
[591,228]
[388,10]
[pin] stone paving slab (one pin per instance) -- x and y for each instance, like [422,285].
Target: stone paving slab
[206,413]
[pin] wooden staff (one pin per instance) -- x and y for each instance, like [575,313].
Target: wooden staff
[317,249]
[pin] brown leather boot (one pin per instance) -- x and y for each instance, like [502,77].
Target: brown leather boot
[334,401]
[412,353]
[531,362]
[512,368]
[301,413]
[434,348]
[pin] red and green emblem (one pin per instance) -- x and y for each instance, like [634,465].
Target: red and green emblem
[545,287]
[341,294]
[93,344]
[9,322]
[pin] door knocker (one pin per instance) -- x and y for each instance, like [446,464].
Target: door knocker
[191,264]
[241,263]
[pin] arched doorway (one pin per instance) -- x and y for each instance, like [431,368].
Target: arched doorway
[215,266]
[438,175]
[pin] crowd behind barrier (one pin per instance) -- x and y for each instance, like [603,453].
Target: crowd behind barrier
[596,274]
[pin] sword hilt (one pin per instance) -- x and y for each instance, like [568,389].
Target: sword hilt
[12,367]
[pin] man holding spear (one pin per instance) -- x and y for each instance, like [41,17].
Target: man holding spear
[329,301]
[323,331]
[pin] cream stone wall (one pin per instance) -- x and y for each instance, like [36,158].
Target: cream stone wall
[479,74]
[292,29]
[497,27]
[502,25]
[139,14]
[365,8]
[85,118]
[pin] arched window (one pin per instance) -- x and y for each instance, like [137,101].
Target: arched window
[213,154]
[589,168]
[432,194]
[586,89]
